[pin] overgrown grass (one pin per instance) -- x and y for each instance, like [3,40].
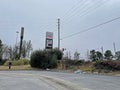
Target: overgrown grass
[17,62]
[21,67]
[22,64]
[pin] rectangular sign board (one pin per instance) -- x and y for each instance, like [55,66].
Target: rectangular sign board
[49,40]
[49,35]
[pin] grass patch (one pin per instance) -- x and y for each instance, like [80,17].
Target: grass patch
[18,62]
[21,67]
[86,68]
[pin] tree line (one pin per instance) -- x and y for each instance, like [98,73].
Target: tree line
[9,52]
[97,55]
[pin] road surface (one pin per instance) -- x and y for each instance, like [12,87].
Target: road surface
[47,80]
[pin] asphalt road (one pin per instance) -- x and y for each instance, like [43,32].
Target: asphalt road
[47,80]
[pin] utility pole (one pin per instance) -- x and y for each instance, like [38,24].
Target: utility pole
[88,54]
[114,47]
[102,52]
[21,39]
[58,34]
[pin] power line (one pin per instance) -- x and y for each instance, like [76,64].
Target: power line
[82,6]
[74,7]
[91,28]
[47,26]
[86,9]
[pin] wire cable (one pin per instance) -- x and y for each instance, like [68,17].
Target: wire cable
[91,28]
[74,8]
[84,12]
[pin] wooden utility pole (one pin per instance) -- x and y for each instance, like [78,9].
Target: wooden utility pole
[58,33]
[102,52]
[114,47]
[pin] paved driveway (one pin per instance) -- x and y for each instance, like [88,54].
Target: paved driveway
[46,80]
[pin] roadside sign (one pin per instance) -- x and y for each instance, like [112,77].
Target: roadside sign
[49,40]
[49,35]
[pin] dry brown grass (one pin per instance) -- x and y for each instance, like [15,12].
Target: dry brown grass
[85,68]
[22,67]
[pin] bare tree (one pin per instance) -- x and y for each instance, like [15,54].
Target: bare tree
[26,48]
[76,55]
[6,54]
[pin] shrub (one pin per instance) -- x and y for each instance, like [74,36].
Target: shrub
[2,62]
[107,65]
[26,62]
[58,53]
[53,62]
[18,62]
[74,62]
[43,59]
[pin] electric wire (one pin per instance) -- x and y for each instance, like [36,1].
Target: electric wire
[91,28]
[73,8]
[86,11]
[81,7]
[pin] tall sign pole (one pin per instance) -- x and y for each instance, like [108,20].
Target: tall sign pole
[58,33]
[21,40]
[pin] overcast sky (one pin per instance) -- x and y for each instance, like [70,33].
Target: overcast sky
[39,16]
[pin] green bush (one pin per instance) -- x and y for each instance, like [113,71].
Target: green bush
[58,53]
[18,62]
[53,61]
[26,62]
[2,62]
[43,59]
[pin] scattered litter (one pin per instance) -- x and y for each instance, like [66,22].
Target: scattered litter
[78,72]
[47,69]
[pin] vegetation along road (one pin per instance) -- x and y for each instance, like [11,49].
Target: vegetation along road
[46,80]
